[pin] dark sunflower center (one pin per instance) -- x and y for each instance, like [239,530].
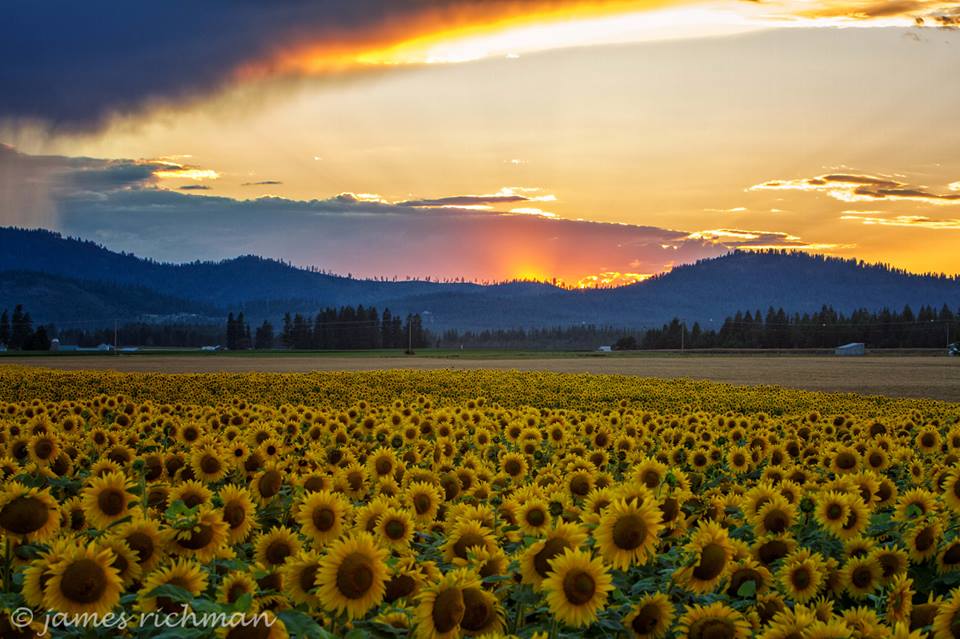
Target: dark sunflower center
[308,577]
[740,577]
[924,540]
[399,586]
[861,577]
[24,514]
[43,449]
[801,578]
[669,509]
[235,514]
[712,629]
[650,478]
[141,544]
[198,539]
[120,563]
[580,485]
[383,466]
[834,512]
[477,610]
[551,548]
[323,518]
[630,532]
[270,482]
[210,465]
[579,587]
[422,503]
[395,529]
[952,556]
[448,610]
[536,517]
[236,591]
[776,521]
[846,460]
[111,502]
[354,576]
[355,480]
[713,559]
[278,551]
[512,467]
[468,540]
[313,484]
[192,499]
[257,628]
[83,582]
[646,620]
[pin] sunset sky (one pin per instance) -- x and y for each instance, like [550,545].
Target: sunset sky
[585,141]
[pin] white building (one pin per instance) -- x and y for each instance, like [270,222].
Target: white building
[855,348]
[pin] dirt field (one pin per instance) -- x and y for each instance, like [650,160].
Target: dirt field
[934,377]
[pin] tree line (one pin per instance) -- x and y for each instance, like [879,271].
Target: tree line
[18,334]
[827,328]
[343,328]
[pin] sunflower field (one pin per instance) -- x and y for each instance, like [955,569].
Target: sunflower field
[489,504]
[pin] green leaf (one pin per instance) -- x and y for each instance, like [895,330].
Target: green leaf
[747,589]
[299,624]
[171,592]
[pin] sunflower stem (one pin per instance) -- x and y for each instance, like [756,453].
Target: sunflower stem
[519,619]
[554,628]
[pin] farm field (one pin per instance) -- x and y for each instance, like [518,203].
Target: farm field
[493,503]
[893,375]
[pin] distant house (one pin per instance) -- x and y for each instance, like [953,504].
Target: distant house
[855,348]
[55,345]
[211,349]
[605,349]
[3,348]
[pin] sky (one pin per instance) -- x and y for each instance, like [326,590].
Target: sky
[595,143]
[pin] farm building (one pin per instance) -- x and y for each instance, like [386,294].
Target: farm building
[855,348]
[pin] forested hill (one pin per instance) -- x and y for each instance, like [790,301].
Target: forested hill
[704,291]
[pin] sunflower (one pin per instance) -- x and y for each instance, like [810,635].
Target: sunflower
[321,516]
[832,511]
[425,500]
[627,532]
[514,465]
[235,585]
[124,559]
[861,576]
[145,539]
[205,539]
[951,489]
[482,612]
[300,578]
[273,547]
[535,560]
[922,540]
[352,575]
[748,571]
[395,529]
[209,463]
[43,448]
[352,481]
[405,581]
[467,534]
[947,622]
[802,575]
[30,514]
[914,504]
[182,573]
[192,493]
[893,561]
[899,600]
[106,500]
[534,517]
[267,483]
[441,607]
[83,580]
[714,621]
[239,512]
[775,516]
[711,548]
[577,587]
[651,617]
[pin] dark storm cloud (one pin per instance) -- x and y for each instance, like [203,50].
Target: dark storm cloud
[73,64]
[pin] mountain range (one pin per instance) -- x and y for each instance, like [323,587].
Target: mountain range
[70,281]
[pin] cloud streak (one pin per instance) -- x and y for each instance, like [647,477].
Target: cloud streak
[862,188]
[120,203]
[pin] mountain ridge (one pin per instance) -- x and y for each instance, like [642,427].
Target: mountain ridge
[704,291]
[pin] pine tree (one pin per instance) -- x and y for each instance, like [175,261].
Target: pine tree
[21,328]
[4,328]
[264,336]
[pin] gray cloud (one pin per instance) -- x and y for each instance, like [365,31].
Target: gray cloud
[262,183]
[861,188]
